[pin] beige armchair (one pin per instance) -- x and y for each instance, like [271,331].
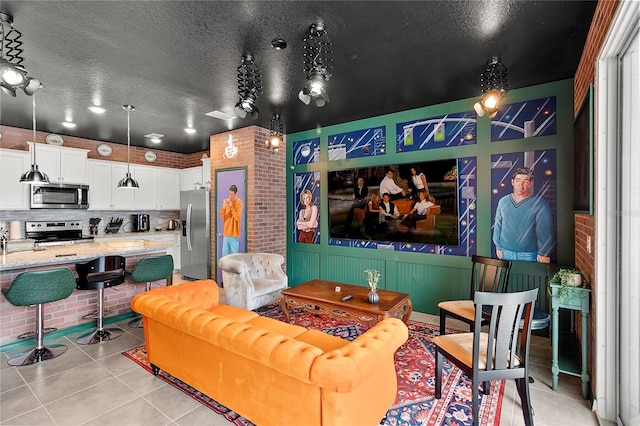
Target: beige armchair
[252,280]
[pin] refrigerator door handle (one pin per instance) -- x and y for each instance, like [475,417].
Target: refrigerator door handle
[189,208]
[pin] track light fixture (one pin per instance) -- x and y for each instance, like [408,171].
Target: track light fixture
[13,74]
[127,182]
[275,133]
[249,87]
[494,84]
[317,64]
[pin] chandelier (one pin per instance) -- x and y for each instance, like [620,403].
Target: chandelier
[275,133]
[13,74]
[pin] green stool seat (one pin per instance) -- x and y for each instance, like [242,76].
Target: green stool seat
[151,269]
[98,274]
[38,288]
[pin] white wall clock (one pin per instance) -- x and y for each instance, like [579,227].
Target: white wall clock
[53,139]
[150,156]
[104,150]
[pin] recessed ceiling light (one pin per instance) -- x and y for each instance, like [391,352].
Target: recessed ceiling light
[279,43]
[97,109]
[154,137]
[68,124]
[221,115]
[190,130]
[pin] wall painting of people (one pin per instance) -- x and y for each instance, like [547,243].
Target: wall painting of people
[427,207]
[524,206]
[306,207]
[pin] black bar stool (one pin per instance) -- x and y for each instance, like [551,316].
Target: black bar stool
[38,288]
[98,274]
[151,269]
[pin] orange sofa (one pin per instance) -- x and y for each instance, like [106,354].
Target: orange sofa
[270,372]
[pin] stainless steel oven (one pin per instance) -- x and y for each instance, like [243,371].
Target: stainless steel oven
[59,196]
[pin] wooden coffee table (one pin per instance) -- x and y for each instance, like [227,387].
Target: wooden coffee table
[320,297]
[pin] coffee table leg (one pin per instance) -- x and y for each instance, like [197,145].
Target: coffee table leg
[285,308]
[407,313]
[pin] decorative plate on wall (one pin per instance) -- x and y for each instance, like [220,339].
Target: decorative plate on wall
[150,156]
[104,150]
[53,139]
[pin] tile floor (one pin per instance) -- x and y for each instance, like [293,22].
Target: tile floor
[97,385]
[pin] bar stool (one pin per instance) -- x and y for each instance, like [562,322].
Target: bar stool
[98,274]
[38,288]
[151,269]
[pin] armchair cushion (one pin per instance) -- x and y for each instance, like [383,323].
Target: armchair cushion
[252,280]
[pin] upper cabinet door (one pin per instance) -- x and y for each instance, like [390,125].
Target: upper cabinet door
[14,195]
[145,195]
[100,185]
[168,190]
[61,164]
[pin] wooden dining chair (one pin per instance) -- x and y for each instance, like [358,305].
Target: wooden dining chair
[494,354]
[487,274]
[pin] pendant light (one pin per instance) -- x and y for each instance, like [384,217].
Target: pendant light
[34,175]
[128,182]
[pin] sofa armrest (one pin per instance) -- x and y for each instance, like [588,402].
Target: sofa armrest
[341,370]
[231,265]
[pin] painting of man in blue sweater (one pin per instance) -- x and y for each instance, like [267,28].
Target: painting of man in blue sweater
[523,228]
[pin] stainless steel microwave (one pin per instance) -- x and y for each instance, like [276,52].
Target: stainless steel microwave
[59,196]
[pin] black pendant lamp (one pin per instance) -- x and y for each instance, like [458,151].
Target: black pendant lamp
[128,182]
[34,175]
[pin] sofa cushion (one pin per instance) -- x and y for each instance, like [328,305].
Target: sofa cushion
[324,341]
[231,312]
[289,330]
[266,286]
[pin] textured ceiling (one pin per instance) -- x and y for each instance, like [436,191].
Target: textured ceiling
[176,60]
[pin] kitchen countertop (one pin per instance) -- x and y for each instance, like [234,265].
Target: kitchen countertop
[73,253]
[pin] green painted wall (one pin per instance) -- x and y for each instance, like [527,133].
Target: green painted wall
[430,278]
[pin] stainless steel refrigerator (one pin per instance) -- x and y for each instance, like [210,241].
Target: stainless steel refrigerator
[195,240]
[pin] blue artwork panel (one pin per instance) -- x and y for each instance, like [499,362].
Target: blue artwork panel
[437,132]
[306,151]
[360,143]
[524,206]
[525,120]
[306,207]
[464,175]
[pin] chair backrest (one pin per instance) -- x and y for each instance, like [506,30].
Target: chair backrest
[106,271]
[34,288]
[257,265]
[487,274]
[506,309]
[152,269]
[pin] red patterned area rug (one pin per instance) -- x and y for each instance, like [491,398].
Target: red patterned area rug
[415,402]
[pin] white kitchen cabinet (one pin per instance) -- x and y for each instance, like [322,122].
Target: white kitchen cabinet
[14,195]
[62,164]
[145,195]
[159,188]
[206,172]
[104,193]
[190,177]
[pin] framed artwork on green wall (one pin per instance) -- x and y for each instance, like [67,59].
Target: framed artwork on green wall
[356,144]
[306,207]
[430,207]
[523,120]
[306,151]
[443,131]
[524,206]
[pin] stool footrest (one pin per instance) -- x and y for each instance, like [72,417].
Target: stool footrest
[32,334]
[97,336]
[37,355]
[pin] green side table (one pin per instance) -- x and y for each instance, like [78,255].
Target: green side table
[576,299]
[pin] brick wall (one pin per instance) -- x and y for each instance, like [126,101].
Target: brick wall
[15,138]
[67,312]
[266,187]
[584,223]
